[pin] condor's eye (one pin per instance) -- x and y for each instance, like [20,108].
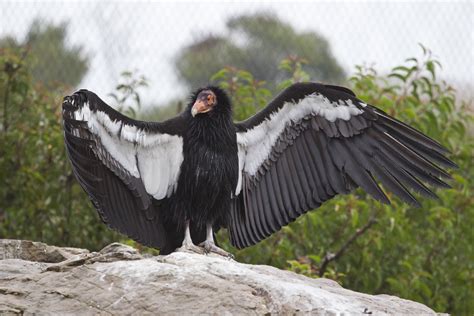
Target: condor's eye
[210,99]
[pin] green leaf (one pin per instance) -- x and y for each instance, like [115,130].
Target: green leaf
[402,68]
[431,68]
[355,218]
[398,76]
[220,75]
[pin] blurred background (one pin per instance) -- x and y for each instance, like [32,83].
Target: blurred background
[413,59]
[178,45]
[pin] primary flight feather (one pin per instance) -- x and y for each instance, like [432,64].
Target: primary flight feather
[172,184]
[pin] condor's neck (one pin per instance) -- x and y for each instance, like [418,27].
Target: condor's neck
[216,130]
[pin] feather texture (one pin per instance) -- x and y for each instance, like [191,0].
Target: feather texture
[315,141]
[124,165]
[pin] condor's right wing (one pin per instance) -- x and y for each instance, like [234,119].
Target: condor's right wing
[126,166]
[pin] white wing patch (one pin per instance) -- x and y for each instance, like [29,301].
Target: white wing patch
[155,158]
[241,155]
[255,145]
[159,167]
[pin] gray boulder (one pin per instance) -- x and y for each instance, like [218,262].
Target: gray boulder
[42,279]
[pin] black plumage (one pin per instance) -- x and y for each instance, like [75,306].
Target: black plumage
[169,184]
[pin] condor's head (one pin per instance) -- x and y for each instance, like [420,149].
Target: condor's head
[210,102]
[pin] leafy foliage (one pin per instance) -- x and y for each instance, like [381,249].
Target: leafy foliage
[244,89]
[39,197]
[47,42]
[257,42]
[423,254]
[126,96]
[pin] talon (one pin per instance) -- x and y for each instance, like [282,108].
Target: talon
[210,246]
[190,248]
[188,245]
[206,247]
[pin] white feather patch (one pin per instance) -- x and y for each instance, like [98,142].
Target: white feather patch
[154,157]
[122,152]
[257,143]
[159,167]
[241,155]
[83,113]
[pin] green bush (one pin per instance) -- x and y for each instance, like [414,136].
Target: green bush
[424,254]
[39,196]
[421,254]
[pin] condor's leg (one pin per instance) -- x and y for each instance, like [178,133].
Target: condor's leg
[188,245]
[210,246]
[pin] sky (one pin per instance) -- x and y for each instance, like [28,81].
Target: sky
[146,35]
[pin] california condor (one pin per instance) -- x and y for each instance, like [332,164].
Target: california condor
[169,184]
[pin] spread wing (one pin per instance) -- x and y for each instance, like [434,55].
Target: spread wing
[126,166]
[315,141]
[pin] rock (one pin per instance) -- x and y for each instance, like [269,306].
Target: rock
[112,252]
[35,251]
[118,280]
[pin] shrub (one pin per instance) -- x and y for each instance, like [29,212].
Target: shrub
[423,254]
[39,196]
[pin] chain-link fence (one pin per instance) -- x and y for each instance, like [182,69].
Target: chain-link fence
[161,40]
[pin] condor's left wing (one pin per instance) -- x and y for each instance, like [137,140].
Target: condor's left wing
[315,141]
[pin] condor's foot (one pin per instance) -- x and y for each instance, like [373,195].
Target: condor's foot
[190,247]
[210,246]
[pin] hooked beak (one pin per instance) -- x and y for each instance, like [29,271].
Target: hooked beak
[200,106]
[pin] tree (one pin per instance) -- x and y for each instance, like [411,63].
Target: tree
[257,43]
[39,197]
[424,254]
[53,62]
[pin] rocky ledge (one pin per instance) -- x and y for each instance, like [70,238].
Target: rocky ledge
[39,279]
